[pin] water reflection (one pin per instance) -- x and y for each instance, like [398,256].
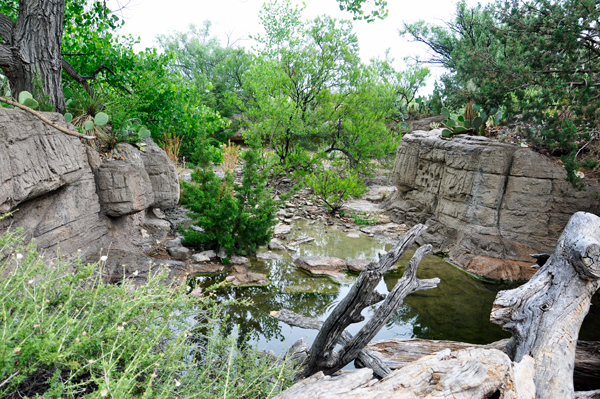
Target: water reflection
[458,309]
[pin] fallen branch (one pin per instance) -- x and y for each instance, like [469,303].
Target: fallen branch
[363,294]
[365,358]
[46,120]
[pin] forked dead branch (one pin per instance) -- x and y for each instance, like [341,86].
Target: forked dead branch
[322,355]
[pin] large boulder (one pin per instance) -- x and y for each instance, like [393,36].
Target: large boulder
[489,205]
[62,193]
[124,188]
[47,181]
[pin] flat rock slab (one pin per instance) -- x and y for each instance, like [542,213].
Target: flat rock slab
[249,279]
[319,264]
[276,245]
[362,206]
[208,268]
[353,235]
[210,254]
[324,266]
[268,256]
[282,228]
[357,265]
[200,258]
[379,193]
[238,260]
[387,228]
[180,253]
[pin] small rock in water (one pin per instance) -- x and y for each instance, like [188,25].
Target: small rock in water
[173,243]
[200,258]
[281,228]
[357,265]
[275,245]
[353,235]
[180,253]
[268,256]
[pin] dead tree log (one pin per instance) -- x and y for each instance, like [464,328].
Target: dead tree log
[398,352]
[545,314]
[322,356]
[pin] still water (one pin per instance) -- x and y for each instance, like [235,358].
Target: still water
[458,310]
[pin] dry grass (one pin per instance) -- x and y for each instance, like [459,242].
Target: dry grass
[231,154]
[172,145]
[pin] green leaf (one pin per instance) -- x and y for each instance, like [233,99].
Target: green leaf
[467,124]
[484,116]
[476,108]
[450,123]
[101,119]
[31,103]
[477,122]
[459,129]
[461,118]
[446,112]
[498,117]
[24,95]
[446,133]
[68,117]
[88,125]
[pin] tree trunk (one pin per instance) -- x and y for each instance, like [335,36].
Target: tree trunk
[30,51]
[545,314]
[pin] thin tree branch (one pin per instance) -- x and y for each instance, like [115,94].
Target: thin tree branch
[46,120]
[83,79]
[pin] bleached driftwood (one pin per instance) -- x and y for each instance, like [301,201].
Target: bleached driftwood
[545,314]
[472,373]
[398,352]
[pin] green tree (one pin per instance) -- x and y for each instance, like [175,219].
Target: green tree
[305,88]
[538,58]
[238,217]
[217,70]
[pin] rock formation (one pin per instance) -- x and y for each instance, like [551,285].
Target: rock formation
[67,198]
[488,205]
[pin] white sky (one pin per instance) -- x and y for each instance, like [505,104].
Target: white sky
[239,18]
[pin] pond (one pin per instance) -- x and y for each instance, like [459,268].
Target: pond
[458,310]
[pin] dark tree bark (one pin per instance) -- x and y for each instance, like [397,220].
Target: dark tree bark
[30,48]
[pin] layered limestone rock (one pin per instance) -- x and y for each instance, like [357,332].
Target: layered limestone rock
[66,197]
[489,205]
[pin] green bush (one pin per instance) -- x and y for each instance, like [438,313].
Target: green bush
[68,335]
[239,217]
[332,186]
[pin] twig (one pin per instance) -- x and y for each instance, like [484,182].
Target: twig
[10,377]
[46,120]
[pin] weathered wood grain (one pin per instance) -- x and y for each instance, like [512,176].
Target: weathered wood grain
[545,314]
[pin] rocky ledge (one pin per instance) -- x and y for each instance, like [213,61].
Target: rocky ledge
[488,205]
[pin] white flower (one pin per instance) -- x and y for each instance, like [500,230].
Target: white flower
[30,282]
[177,383]
[19,256]
[104,392]
[580,175]
[103,258]
[135,273]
